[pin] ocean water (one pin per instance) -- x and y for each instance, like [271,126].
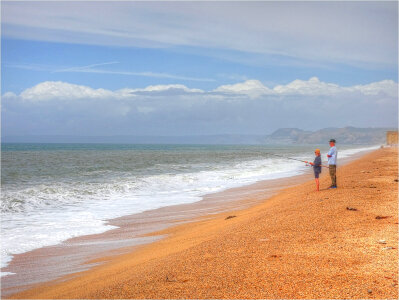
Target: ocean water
[53,192]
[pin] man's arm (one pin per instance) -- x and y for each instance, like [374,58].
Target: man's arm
[331,152]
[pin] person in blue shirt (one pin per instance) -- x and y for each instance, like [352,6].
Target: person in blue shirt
[332,164]
[316,167]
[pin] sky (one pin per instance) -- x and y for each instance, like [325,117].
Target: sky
[196,68]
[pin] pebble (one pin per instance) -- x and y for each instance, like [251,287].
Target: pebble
[369,291]
[387,248]
[382,242]
[351,208]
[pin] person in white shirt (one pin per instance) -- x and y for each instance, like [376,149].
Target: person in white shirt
[332,164]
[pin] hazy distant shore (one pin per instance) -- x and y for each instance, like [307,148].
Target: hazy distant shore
[346,135]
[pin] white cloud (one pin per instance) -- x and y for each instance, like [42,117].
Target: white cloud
[82,68]
[9,95]
[167,87]
[329,31]
[388,87]
[52,90]
[251,88]
[141,74]
[93,69]
[49,90]
[313,86]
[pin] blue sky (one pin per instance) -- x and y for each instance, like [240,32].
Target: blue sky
[26,63]
[227,60]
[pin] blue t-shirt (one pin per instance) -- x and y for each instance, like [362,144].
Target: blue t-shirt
[333,159]
[317,164]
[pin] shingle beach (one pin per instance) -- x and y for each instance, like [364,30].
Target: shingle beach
[298,244]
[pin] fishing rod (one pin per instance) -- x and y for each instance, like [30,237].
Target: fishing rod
[304,161]
[288,157]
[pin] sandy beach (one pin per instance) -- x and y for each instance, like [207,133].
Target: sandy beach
[296,244]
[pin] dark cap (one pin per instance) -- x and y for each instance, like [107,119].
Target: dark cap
[332,140]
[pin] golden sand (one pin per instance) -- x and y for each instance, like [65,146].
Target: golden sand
[298,244]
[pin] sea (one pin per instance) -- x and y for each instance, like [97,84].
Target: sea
[53,192]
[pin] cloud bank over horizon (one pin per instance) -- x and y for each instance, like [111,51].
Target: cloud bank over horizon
[252,88]
[248,107]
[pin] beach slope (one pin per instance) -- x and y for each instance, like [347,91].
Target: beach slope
[298,244]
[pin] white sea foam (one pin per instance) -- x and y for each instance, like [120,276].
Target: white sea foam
[350,152]
[50,214]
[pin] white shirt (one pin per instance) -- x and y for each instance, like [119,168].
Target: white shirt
[333,159]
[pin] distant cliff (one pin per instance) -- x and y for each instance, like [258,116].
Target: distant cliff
[346,135]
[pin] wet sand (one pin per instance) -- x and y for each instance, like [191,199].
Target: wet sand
[297,244]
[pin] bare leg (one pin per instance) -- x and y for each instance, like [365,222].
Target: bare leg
[317,184]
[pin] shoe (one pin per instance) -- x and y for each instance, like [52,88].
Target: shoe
[332,187]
